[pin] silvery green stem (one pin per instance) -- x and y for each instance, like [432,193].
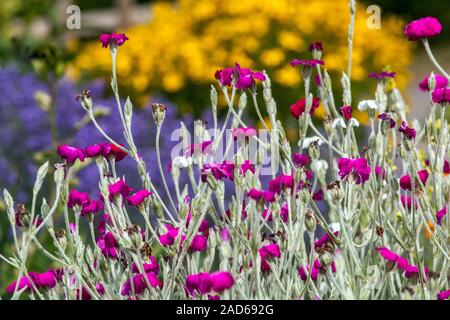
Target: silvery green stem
[433,59]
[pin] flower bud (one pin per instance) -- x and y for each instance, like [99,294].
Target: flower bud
[310,221]
[61,237]
[325,259]
[314,151]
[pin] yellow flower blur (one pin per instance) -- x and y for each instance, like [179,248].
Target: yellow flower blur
[184,43]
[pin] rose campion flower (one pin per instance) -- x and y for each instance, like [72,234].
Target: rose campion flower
[112,39]
[382,75]
[306,62]
[356,168]
[440,215]
[45,280]
[152,267]
[91,207]
[385,117]
[70,154]
[408,132]
[261,195]
[268,252]
[168,238]
[318,46]
[315,270]
[205,148]
[140,284]
[119,188]
[199,243]
[205,282]
[300,160]
[441,96]
[108,245]
[220,171]
[138,197]
[244,132]
[298,108]
[407,202]
[281,183]
[247,166]
[77,198]
[115,153]
[346,112]
[441,82]
[422,28]
[443,295]
[406,181]
[245,78]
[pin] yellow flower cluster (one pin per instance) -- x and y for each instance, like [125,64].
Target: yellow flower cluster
[185,42]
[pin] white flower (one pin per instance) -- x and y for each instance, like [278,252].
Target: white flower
[181,162]
[353,122]
[367,104]
[319,165]
[309,140]
[338,122]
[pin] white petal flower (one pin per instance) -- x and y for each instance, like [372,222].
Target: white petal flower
[307,141]
[338,122]
[367,104]
[353,122]
[182,162]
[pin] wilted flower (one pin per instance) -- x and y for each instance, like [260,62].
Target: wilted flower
[440,215]
[408,132]
[315,46]
[389,120]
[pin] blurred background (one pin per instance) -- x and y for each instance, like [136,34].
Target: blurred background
[174,49]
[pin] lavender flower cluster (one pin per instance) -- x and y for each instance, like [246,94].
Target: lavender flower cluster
[386,229]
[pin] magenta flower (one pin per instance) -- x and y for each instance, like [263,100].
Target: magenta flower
[225,76]
[91,207]
[446,168]
[108,245]
[441,82]
[261,195]
[407,201]
[284,213]
[300,160]
[119,188]
[205,148]
[204,225]
[441,96]
[346,111]
[115,153]
[440,215]
[168,238]
[387,254]
[324,240]
[247,166]
[315,270]
[138,197]
[199,243]
[77,198]
[306,62]
[112,39]
[315,46]
[406,181]
[281,183]
[356,168]
[408,132]
[443,295]
[246,77]
[204,282]
[218,171]
[225,235]
[385,117]
[381,75]
[152,267]
[45,280]
[422,28]
[268,252]
[140,284]
[96,150]
[70,154]
[244,132]
[221,281]
[380,171]
[298,108]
